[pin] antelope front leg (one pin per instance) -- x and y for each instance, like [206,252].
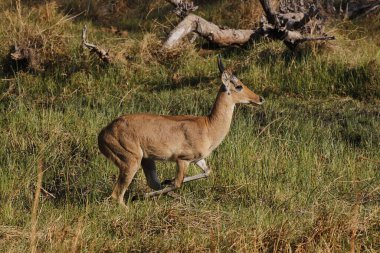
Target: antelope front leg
[175,184]
[201,164]
[181,170]
[206,171]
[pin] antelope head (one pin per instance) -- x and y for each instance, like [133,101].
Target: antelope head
[240,93]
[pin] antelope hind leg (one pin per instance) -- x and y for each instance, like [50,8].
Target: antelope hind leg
[149,168]
[127,171]
[203,165]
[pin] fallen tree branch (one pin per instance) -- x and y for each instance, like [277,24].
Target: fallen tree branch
[103,54]
[292,28]
[213,33]
[293,43]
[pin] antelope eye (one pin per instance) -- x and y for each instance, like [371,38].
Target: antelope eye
[239,88]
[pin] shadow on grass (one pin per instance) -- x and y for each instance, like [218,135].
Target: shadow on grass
[359,82]
[270,57]
[131,16]
[306,74]
[192,81]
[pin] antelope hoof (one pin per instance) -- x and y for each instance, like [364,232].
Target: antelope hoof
[167,182]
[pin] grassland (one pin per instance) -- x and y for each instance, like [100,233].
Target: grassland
[299,174]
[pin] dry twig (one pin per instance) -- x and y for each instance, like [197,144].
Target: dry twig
[103,54]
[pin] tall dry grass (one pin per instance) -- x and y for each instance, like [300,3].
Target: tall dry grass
[35,211]
[41,28]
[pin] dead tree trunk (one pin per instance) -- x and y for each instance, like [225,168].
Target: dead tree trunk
[213,33]
[290,27]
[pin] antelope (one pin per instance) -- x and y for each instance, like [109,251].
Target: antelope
[131,140]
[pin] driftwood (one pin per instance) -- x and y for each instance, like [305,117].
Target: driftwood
[290,27]
[100,52]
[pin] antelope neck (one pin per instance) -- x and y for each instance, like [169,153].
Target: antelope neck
[219,120]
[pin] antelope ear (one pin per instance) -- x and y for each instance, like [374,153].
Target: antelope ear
[225,81]
[226,78]
[220,64]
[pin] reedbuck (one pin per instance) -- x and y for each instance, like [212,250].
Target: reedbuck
[131,140]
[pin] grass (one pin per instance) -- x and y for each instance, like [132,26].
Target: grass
[300,173]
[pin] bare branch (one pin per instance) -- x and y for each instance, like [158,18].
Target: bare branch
[293,39]
[103,54]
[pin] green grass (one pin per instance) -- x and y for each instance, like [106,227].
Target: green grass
[299,173]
